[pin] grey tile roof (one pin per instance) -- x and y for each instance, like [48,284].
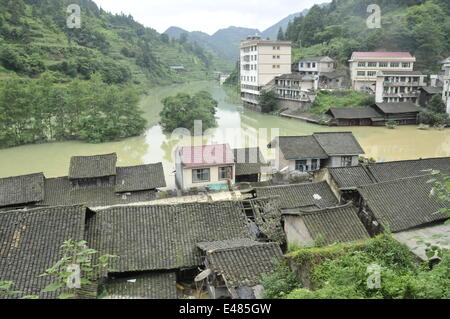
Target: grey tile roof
[333,225]
[58,191]
[298,147]
[334,74]
[317,59]
[351,177]
[432,90]
[92,166]
[21,189]
[401,107]
[354,113]
[404,73]
[30,244]
[140,178]
[241,262]
[248,161]
[164,237]
[318,195]
[339,143]
[403,204]
[153,285]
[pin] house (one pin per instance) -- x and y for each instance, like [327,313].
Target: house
[427,93]
[327,226]
[399,86]
[234,268]
[353,116]
[316,65]
[30,245]
[305,154]
[94,181]
[404,113]
[332,80]
[211,166]
[400,205]
[178,68]
[306,196]
[364,67]
[249,164]
[345,181]
[260,62]
[21,191]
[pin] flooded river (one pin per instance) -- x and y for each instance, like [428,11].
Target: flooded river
[237,126]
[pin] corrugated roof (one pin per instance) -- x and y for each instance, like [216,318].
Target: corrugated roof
[140,178]
[318,195]
[401,107]
[339,143]
[206,155]
[154,285]
[248,161]
[92,166]
[30,244]
[339,224]
[164,237]
[21,189]
[403,204]
[241,262]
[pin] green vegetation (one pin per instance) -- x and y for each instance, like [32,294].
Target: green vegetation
[41,110]
[421,27]
[441,189]
[280,283]
[340,99]
[341,271]
[435,113]
[268,101]
[234,79]
[6,289]
[182,110]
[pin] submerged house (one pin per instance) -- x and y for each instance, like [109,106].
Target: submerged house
[353,116]
[234,268]
[404,113]
[305,154]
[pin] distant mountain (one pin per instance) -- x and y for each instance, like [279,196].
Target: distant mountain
[272,32]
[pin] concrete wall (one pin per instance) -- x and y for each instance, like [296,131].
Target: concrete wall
[294,105]
[214,178]
[336,161]
[296,231]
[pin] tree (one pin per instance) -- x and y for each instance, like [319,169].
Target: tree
[182,110]
[268,101]
[280,36]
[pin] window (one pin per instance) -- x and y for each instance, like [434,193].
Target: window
[314,64]
[406,65]
[225,173]
[361,73]
[371,73]
[200,175]
[302,65]
[314,164]
[383,65]
[361,64]
[346,161]
[301,166]
[372,64]
[395,64]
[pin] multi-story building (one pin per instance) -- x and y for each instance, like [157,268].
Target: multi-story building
[399,86]
[316,65]
[364,67]
[261,62]
[446,87]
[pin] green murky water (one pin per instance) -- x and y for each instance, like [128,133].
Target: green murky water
[236,126]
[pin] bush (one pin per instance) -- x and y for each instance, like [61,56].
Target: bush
[280,283]
[268,101]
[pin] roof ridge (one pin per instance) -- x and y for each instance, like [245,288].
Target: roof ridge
[290,185]
[326,210]
[395,180]
[34,209]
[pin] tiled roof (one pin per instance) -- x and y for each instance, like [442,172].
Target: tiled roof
[318,195]
[140,178]
[339,224]
[383,56]
[404,73]
[206,155]
[92,166]
[153,285]
[30,244]
[401,107]
[317,59]
[354,113]
[351,177]
[334,74]
[242,262]
[248,161]
[299,147]
[164,237]
[58,191]
[432,90]
[21,189]
[403,204]
[339,143]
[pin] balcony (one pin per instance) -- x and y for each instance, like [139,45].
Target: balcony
[401,83]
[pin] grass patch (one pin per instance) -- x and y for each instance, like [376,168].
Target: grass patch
[340,99]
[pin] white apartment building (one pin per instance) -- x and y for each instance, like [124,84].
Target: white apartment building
[364,67]
[261,62]
[316,65]
[446,87]
[399,86]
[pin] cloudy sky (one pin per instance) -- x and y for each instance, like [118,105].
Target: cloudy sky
[207,15]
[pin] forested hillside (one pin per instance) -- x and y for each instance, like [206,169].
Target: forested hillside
[419,26]
[34,38]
